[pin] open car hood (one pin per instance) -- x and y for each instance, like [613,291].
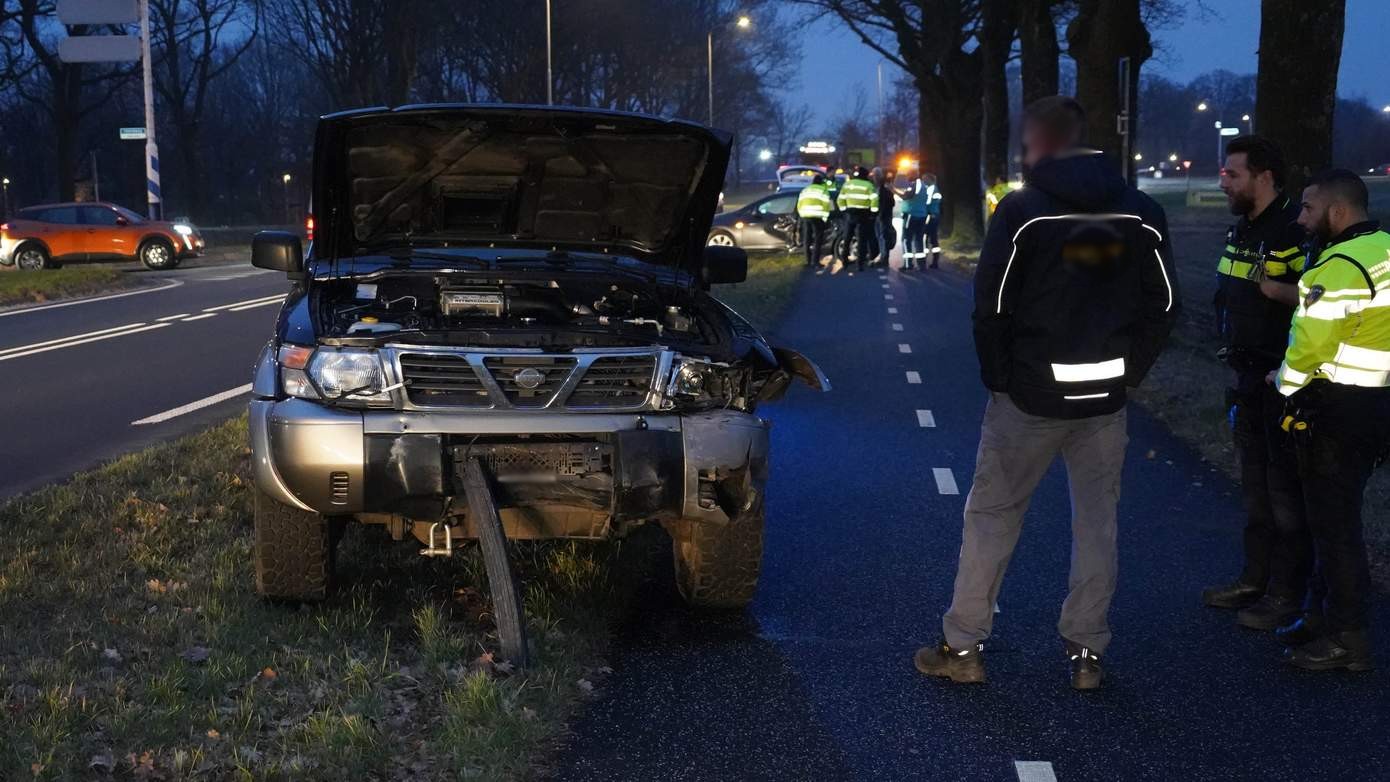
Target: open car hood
[499,176]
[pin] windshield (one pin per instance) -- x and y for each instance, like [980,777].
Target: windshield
[440,178]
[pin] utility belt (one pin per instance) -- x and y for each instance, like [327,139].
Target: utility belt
[1303,411]
[1247,359]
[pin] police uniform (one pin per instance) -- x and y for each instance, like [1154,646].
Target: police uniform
[858,198]
[1255,328]
[813,207]
[1336,375]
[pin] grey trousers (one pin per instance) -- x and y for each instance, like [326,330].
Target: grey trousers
[1015,450]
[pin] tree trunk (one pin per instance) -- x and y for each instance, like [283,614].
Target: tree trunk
[951,117]
[1104,32]
[67,92]
[194,196]
[1037,35]
[996,39]
[1295,97]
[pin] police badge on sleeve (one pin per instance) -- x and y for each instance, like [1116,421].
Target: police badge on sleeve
[1314,293]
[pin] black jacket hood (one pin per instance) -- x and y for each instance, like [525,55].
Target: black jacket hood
[1085,178]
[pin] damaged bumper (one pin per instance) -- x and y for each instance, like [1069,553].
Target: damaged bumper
[620,467]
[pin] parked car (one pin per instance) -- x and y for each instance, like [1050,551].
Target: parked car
[525,289]
[1381,170]
[765,224]
[46,237]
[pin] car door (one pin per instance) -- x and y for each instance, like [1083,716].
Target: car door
[61,233]
[773,219]
[107,235]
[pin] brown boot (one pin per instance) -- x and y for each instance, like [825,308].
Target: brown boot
[962,666]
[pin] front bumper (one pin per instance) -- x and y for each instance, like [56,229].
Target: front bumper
[699,466]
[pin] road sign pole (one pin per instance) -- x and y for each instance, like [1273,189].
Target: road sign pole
[152,193]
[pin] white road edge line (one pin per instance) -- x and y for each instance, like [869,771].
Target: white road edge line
[945,480]
[192,406]
[1034,771]
[200,317]
[903,347]
[914,378]
[107,297]
[19,348]
[261,300]
[171,317]
[276,300]
[925,419]
[72,343]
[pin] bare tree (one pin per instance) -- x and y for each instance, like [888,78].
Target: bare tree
[66,92]
[190,36]
[1104,32]
[999,22]
[363,52]
[1296,96]
[1038,49]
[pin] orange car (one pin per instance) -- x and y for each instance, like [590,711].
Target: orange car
[45,237]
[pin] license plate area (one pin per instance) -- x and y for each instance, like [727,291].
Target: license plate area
[540,461]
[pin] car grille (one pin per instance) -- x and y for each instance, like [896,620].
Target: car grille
[579,381]
[442,379]
[614,381]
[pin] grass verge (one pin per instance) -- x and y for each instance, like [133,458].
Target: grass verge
[134,644]
[25,287]
[769,290]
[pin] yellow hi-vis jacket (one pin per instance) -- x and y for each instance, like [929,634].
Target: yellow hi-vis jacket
[858,194]
[813,203]
[1341,330]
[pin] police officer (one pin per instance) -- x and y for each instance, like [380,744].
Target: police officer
[883,228]
[1264,244]
[813,207]
[858,199]
[933,242]
[994,195]
[1336,376]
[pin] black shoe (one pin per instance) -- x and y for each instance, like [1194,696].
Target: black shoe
[1268,613]
[962,666]
[1237,595]
[1349,650]
[1305,631]
[1086,670]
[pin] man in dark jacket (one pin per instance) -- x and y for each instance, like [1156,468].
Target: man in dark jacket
[1074,299]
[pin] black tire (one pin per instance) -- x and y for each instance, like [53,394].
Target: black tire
[32,257]
[721,238]
[718,566]
[294,551]
[157,254]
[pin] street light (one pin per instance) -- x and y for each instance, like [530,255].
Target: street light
[1173,158]
[286,180]
[1138,156]
[5,208]
[743,23]
[1202,106]
[765,155]
[1249,124]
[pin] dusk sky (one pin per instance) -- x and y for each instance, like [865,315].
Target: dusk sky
[1225,38]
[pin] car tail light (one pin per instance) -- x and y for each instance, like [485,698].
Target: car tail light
[4,227]
[309,228]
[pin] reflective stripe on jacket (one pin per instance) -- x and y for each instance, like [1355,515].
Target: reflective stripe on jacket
[813,202]
[1341,330]
[858,194]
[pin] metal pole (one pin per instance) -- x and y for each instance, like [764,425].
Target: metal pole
[709,66]
[96,177]
[5,208]
[882,143]
[152,194]
[549,75]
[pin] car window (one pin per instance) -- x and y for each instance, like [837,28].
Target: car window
[134,218]
[98,215]
[778,206]
[62,215]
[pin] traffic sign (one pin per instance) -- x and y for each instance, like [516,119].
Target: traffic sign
[133,134]
[98,11]
[100,48]
[1230,131]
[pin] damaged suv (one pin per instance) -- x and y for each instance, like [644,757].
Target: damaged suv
[525,288]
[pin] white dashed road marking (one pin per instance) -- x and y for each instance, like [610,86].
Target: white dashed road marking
[914,378]
[887,297]
[253,302]
[171,317]
[200,317]
[1034,771]
[945,481]
[78,339]
[192,406]
[276,300]
[892,310]
[897,327]
[903,347]
[925,419]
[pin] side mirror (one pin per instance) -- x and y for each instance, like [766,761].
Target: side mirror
[278,251]
[121,220]
[725,265]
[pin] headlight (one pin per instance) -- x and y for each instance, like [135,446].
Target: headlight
[347,373]
[183,230]
[697,383]
[294,380]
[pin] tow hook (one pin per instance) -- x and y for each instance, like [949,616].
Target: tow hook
[435,550]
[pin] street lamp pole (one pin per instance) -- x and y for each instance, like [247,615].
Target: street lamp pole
[1249,124]
[709,70]
[5,208]
[286,180]
[1220,149]
[549,75]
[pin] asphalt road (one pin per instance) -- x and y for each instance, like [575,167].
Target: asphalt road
[815,680]
[91,379]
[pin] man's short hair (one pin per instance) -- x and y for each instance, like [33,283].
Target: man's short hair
[1061,118]
[1343,186]
[1261,155]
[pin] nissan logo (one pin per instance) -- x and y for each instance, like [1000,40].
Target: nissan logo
[529,378]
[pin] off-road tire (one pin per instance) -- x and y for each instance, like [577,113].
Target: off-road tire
[717,565]
[294,551]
